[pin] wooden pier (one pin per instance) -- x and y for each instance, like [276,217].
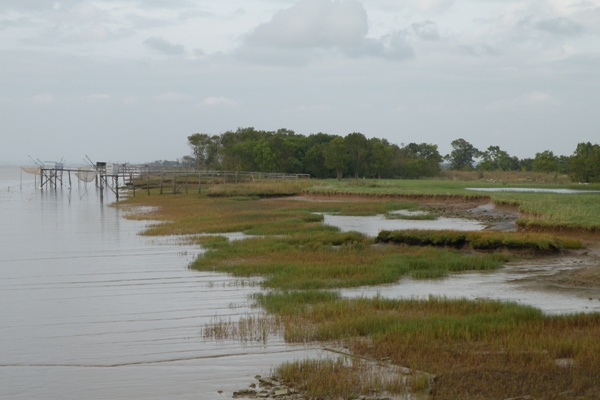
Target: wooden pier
[130,177]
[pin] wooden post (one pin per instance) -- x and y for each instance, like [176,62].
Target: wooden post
[174,183]
[148,182]
[161,181]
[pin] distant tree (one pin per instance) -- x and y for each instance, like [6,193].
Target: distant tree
[313,160]
[496,159]
[526,164]
[418,160]
[584,165]
[336,156]
[205,150]
[463,155]
[357,147]
[545,161]
[380,156]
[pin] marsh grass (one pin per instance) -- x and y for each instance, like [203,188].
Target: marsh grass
[349,378]
[336,260]
[249,329]
[539,243]
[476,349]
[257,189]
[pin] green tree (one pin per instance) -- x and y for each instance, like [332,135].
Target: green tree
[584,165]
[545,161]
[419,160]
[463,155]
[336,156]
[494,159]
[205,150]
[357,147]
[380,156]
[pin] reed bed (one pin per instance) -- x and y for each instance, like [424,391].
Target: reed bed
[538,243]
[476,349]
[259,189]
[335,260]
[350,378]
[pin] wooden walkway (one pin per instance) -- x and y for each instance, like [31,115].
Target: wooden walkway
[118,177]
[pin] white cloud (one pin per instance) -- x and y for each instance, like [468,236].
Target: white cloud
[477,50]
[426,30]
[44,98]
[163,46]
[312,27]
[171,97]
[314,24]
[532,101]
[97,97]
[559,26]
[215,101]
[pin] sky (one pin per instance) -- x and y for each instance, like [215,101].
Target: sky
[130,80]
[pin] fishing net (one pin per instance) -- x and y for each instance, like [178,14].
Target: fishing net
[31,170]
[86,174]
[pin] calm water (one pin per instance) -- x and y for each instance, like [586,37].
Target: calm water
[92,310]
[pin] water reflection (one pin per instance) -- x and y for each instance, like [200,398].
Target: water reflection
[533,190]
[372,225]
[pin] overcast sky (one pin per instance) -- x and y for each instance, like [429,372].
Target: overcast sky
[129,80]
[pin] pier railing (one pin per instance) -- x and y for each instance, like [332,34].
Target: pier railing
[116,177]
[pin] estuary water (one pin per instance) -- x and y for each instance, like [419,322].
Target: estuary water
[92,310]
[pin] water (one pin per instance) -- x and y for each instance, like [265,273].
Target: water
[533,190]
[92,310]
[372,225]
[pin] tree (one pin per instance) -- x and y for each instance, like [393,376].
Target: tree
[463,155]
[205,150]
[356,144]
[380,155]
[494,159]
[545,161]
[584,165]
[419,160]
[336,156]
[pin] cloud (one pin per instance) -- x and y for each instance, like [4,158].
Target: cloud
[535,100]
[314,24]
[218,101]
[434,5]
[426,30]
[162,46]
[97,97]
[171,97]
[312,28]
[43,98]
[392,46]
[559,26]
[477,50]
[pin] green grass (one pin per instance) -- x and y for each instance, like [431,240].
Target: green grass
[328,260]
[539,243]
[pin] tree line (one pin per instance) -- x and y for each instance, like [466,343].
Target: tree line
[323,155]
